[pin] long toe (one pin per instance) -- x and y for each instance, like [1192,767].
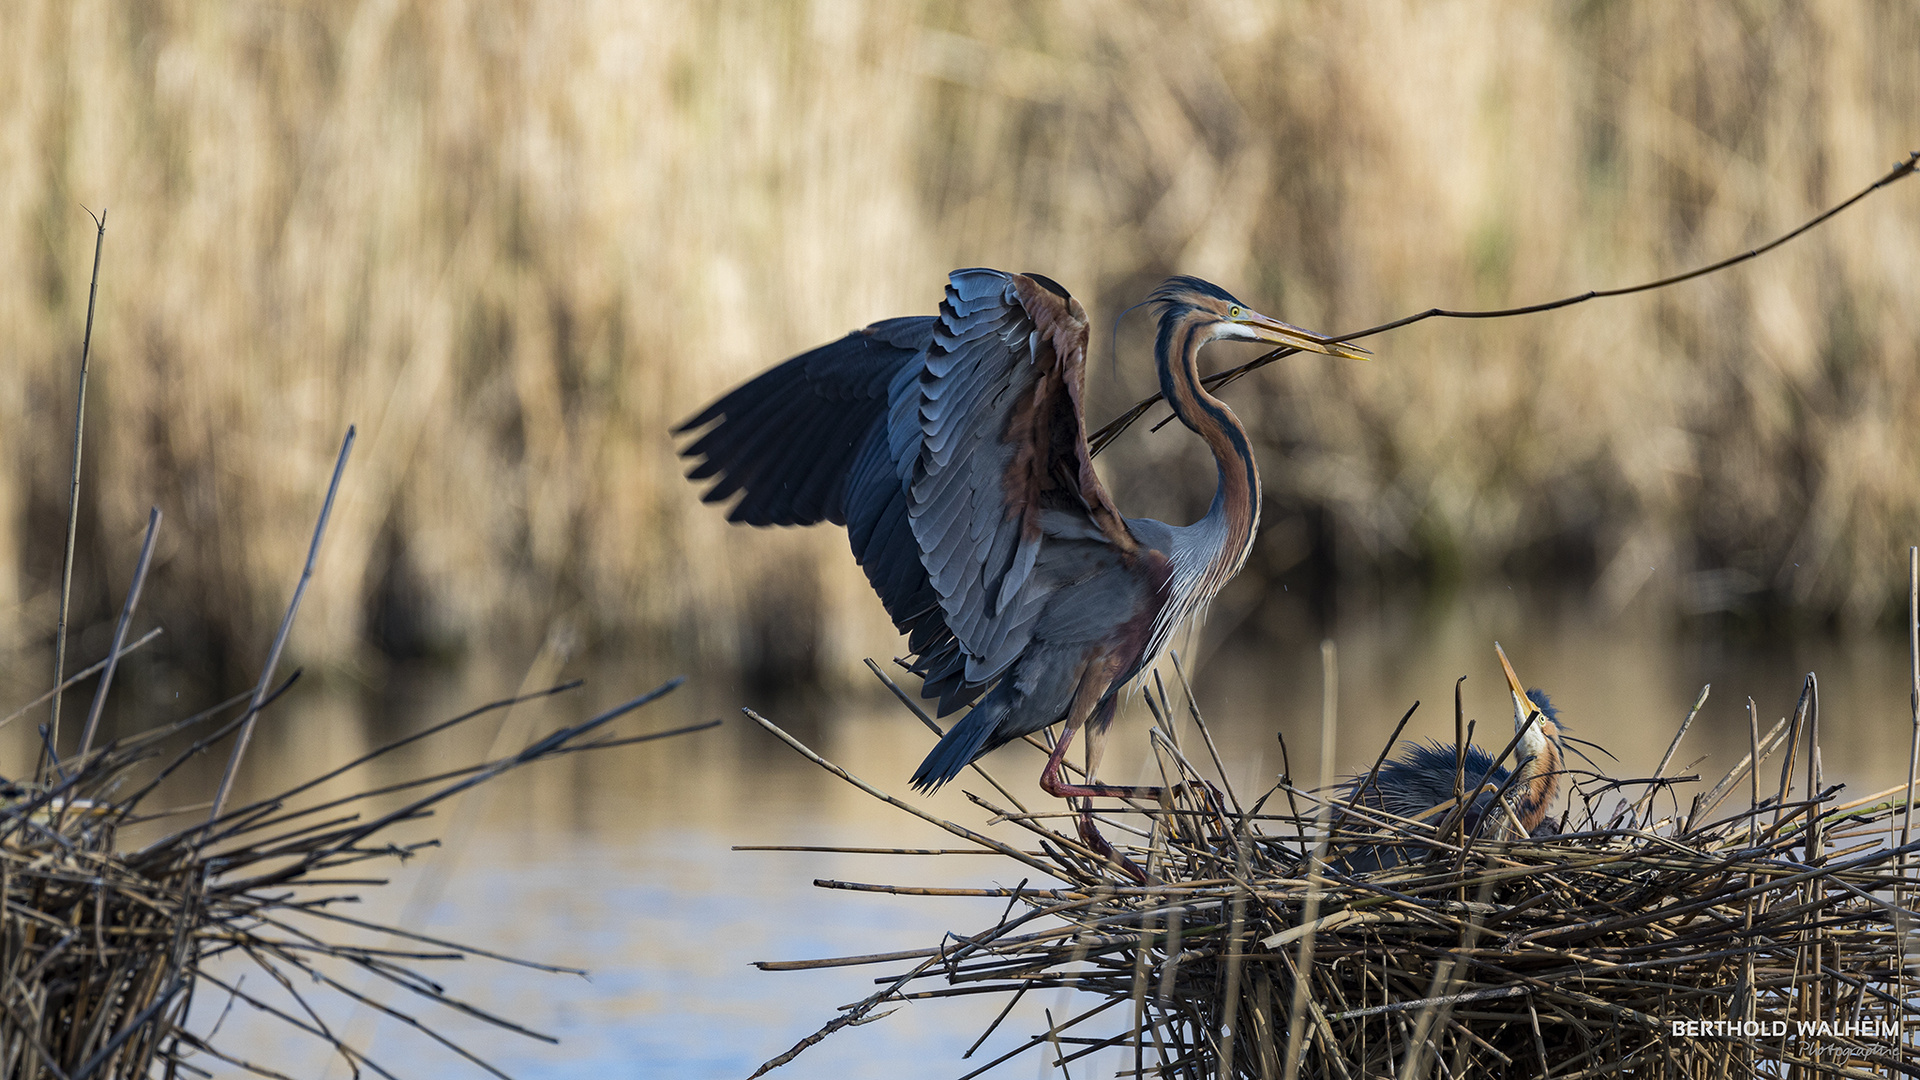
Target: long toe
[1090,836]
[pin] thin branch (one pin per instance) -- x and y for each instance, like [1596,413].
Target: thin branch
[1104,437]
[120,632]
[78,677]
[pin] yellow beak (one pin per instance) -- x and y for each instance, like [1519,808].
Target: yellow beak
[1523,707]
[1278,333]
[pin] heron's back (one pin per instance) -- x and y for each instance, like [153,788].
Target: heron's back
[1412,786]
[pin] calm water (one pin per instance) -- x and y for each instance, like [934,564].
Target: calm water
[620,862]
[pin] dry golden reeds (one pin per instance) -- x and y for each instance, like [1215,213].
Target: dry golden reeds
[519,240]
[1251,952]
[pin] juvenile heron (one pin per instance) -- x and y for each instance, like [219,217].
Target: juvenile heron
[954,450]
[1418,785]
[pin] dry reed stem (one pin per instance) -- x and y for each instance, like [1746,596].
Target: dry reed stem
[79,677]
[286,627]
[120,633]
[73,485]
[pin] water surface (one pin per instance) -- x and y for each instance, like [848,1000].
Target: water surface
[621,862]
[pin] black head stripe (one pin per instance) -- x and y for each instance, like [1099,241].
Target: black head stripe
[1182,287]
[1545,705]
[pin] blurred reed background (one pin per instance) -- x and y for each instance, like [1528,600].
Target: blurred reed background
[516,241]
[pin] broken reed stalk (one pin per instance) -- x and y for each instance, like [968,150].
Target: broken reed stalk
[120,633]
[1570,954]
[280,638]
[1673,747]
[73,488]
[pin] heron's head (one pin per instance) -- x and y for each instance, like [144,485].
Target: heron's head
[1188,303]
[1538,724]
[1534,717]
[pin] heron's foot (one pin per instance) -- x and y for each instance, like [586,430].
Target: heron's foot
[1096,843]
[1052,784]
[1211,799]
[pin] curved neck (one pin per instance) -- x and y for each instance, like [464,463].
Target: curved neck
[1235,512]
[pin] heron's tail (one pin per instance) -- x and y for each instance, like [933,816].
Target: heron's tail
[966,740]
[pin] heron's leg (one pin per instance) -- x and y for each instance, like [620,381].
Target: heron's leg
[1053,783]
[1050,779]
[1090,836]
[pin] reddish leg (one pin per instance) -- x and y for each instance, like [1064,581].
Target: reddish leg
[1054,784]
[1090,836]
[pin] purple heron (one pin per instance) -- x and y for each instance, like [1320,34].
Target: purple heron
[954,450]
[1418,785]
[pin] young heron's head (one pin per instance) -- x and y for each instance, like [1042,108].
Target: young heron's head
[1538,724]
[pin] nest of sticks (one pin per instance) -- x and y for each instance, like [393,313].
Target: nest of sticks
[106,947]
[1769,914]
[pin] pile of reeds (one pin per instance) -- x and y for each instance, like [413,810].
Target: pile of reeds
[1249,952]
[105,948]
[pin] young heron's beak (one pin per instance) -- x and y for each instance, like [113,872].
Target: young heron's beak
[1274,332]
[1524,710]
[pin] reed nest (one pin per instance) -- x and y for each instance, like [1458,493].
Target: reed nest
[107,947]
[1250,953]
[104,949]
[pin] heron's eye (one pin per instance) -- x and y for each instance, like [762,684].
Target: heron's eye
[1233,312]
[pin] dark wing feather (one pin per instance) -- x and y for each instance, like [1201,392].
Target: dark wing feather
[997,442]
[765,461]
[789,438]
[882,539]
[809,441]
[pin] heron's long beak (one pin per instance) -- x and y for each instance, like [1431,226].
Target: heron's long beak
[1279,333]
[1523,706]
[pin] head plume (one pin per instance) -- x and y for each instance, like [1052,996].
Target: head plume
[1185,291]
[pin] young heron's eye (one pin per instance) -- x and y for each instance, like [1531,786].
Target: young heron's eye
[1233,312]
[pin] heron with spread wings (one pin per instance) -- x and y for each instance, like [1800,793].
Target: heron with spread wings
[954,450]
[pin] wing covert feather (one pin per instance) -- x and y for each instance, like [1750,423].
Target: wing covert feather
[998,468]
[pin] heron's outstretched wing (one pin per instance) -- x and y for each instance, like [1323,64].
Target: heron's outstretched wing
[952,448]
[990,442]
[807,442]
[790,437]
